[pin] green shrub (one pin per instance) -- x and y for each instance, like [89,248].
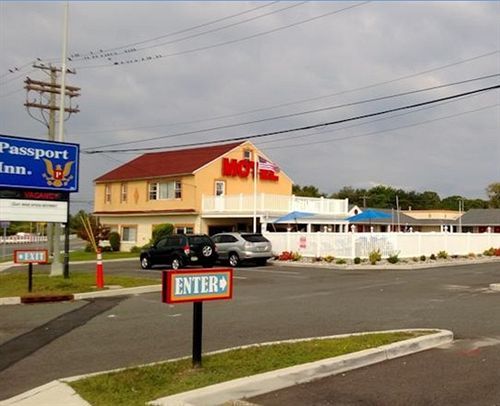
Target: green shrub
[340,261]
[393,259]
[317,259]
[423,258]
[433,257]
[374,257]
[329,258]
[357,260]
[135,249]
[489,252]
[160,231]
[415,259]
[114,241]
[442,254]
[471,255]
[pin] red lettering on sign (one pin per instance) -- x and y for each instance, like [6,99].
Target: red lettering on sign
[244,168]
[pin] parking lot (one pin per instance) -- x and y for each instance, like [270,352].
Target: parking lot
[272,303]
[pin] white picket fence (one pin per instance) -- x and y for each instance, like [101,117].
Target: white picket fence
[406,245]
[23,239]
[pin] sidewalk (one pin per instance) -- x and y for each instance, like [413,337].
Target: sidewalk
[58,393]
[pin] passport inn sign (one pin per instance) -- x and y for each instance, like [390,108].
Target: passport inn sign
[33,164]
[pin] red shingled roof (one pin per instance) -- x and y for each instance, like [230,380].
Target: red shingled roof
[167,163]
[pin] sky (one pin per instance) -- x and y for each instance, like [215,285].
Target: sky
[163,74]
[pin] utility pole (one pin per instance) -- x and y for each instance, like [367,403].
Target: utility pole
[45,103]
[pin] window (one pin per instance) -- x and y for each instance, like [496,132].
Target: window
[107,193]
[220,188]
[129,234]
[184,230]
[247,154]
[123,192]
[165,190]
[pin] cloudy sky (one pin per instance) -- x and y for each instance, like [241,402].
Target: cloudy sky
[222,70]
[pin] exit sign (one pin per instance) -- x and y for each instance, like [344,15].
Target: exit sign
[31,256]
[197,285]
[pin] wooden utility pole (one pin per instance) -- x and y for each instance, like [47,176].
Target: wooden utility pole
[41,96]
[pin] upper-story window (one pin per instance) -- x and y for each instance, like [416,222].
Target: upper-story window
[247,154]
[165,190]
[123,192]
[107,193]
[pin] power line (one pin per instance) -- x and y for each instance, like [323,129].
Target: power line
[296,114]
[220,44]
[133,49]
[297,101]
[267,134]
[349,137]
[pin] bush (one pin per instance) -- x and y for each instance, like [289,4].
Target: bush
[89,248]
[393,259]
[471,255]
[489,252]
[317,259]
[442,254]
[135,249]
[329,258]
[357,260]
[160,231]
[340,261]
[374,257]
[433,257]
[289,256]
[415,259]
[114,241]
[423,258]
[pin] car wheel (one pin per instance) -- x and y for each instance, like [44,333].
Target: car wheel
[207,251]
[261,261]
[233,259]
[145,262]
[176,263]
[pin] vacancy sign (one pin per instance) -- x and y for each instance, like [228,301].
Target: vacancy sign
[31,256]
[197,285]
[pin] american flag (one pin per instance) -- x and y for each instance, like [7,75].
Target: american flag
[268,165]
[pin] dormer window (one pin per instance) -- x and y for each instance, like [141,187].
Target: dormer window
[247,154]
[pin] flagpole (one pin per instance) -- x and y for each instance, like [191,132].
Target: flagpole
[255,176]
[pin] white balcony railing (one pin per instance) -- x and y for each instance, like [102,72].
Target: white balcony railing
[272,204]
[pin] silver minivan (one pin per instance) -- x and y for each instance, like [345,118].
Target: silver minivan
[236,248]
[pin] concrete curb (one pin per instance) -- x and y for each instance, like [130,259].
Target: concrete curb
[58,392]
[388,267]
[495,286]
[270,381]
[14,300]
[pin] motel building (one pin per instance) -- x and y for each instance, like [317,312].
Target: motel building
[207,190]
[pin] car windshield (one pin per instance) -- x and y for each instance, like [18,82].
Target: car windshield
[254,238]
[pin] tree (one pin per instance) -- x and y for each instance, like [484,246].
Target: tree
[307,191]
[493,192]
[160,231]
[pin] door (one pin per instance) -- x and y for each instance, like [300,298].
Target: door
[220,191]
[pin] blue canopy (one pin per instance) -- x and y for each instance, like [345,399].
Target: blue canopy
[368,214]
[293,216]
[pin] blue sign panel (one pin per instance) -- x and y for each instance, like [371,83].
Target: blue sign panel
[34,164]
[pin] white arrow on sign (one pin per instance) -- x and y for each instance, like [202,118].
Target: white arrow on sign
[222,283]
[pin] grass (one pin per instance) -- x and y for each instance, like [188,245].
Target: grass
[136,386]
[16,283]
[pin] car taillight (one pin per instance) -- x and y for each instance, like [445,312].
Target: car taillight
[187,250]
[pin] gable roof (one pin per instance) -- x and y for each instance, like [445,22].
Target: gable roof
[481,217]
[167,163]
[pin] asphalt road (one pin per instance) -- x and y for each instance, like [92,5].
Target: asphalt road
[39,343]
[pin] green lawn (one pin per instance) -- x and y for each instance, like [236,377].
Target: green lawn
[15,283]
[136,386]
